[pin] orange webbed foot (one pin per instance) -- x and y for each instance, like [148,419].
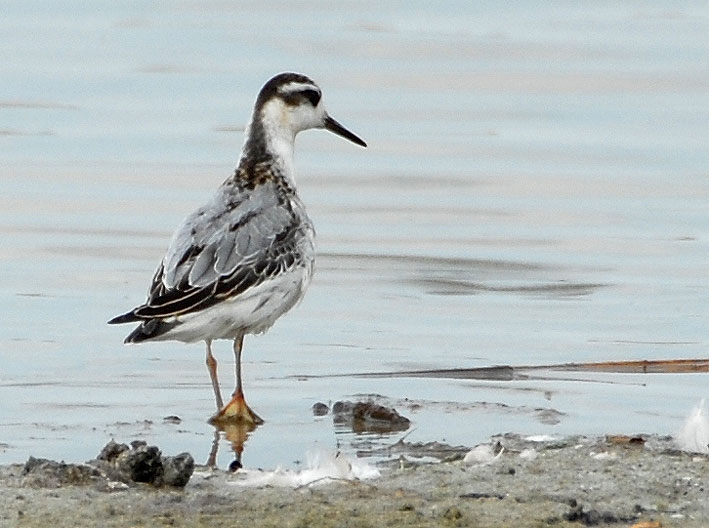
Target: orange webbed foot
[236,412]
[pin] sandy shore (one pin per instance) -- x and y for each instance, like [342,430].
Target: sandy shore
[612,481]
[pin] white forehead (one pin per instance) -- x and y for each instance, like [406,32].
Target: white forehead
[295,86]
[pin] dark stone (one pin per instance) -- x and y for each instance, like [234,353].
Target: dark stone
[320,409]
[177,470]
[144,463]
[481,495]
[574,514]
[592,517]
[369,417]
[43,473]
[342,407]
[452,514]
[111,451]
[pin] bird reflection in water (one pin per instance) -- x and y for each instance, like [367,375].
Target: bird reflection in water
[237,434]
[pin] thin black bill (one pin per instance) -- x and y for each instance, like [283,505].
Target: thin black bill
[337,128]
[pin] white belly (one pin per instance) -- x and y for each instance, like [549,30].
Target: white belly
[251,312]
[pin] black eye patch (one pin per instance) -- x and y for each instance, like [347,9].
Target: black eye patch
[311,95]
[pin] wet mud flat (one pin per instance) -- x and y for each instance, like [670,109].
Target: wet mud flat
[642,481]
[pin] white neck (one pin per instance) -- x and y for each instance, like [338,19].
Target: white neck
[270,135]
[280,143]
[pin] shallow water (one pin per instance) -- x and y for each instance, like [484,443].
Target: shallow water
[535,192]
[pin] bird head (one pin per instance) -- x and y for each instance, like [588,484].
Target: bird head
[290,103]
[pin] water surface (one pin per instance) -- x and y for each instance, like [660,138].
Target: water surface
[535,192]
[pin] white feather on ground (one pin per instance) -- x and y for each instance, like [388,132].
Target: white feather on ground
[483,454]
[694,436]
[321,467]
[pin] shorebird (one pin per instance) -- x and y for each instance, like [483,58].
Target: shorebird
[246,257]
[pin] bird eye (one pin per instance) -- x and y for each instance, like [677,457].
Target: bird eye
[312,95]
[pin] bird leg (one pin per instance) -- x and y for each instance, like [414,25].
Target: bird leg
[212,366]
[236,411]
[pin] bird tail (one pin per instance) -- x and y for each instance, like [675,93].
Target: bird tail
[128,317]
[150,329]
[147,329]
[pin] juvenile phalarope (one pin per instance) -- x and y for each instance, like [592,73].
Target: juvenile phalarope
[246,257]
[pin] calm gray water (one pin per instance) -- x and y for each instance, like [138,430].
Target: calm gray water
[535,192]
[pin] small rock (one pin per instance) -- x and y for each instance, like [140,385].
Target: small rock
[590,517]
[481,495]
[548,416]
[111,451]
[115,485]
[625,440]
[177,470]
[575,513]
[43,473]
[320,409]
[144,463]
[452,514]
[342,408]
[172,419]
[369,417]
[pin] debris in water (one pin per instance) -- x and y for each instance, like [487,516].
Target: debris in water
[320,409]
[369,417]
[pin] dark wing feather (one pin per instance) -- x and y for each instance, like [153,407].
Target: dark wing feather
[231,245]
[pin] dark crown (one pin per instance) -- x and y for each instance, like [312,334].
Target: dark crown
[273,88]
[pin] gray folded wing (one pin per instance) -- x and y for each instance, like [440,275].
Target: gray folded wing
[239,239]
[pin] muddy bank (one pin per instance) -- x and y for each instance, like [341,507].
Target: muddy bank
[576,481]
